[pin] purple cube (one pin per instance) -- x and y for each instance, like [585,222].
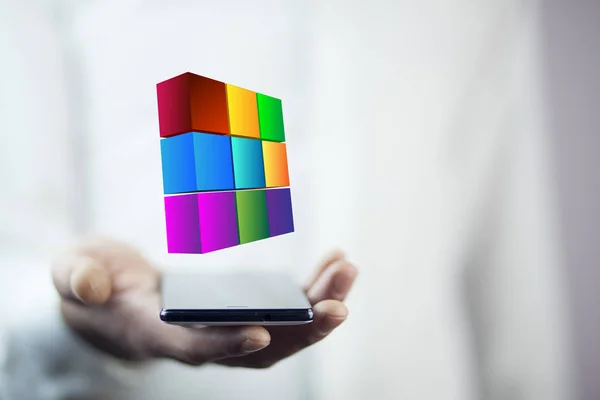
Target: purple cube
[201,222]
[279,210]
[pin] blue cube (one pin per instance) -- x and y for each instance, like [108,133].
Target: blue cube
[196,162]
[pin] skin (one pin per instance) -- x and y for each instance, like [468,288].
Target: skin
[110,297]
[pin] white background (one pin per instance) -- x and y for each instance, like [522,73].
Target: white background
[416,141]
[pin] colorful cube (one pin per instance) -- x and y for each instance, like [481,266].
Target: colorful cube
[190,102]
[222,149]
[201,222]
[253,222]
[276,165]
[196,162]
[279,211]
[248,166]
[270,117]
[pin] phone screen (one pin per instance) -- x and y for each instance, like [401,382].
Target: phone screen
[239,290]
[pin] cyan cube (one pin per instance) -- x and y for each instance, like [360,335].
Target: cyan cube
[195,162]
[248,165]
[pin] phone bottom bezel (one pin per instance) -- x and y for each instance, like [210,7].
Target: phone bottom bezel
[294,316]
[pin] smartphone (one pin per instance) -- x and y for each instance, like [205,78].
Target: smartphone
[237,298]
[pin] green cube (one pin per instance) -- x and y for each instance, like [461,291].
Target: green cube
[270,118]
[253,220]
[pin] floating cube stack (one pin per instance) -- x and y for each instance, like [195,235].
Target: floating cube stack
[224,165]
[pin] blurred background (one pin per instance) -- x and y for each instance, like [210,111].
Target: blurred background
[450,148]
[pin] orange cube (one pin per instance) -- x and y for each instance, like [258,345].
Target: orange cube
[276,165]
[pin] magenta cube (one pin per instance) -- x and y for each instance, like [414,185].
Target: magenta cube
[201,222]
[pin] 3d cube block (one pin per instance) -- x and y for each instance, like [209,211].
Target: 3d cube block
[248,166]
[190,102]
[201,222]
[222,149]
[270,117]
[276,166]
[243,113]
[279,210]
[253,222]
[196,162]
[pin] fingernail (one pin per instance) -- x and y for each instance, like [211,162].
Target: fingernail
[250,346]
[90,283]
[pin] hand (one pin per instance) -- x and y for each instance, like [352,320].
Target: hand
[110,297]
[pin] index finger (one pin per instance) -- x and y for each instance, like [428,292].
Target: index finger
[331,258]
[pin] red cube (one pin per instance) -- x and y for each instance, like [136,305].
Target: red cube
[192,103]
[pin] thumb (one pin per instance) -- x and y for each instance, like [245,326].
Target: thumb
[200,345]
[81,278]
